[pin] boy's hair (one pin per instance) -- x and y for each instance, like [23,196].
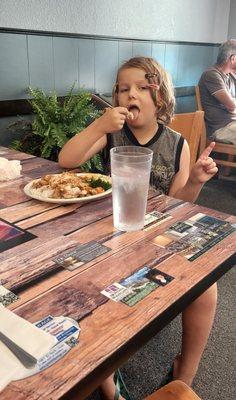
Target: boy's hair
[226,50]
[165,100]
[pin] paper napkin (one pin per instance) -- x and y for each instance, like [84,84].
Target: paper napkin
[9,169]
[26,335]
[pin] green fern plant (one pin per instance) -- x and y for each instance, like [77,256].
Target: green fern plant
[56,120]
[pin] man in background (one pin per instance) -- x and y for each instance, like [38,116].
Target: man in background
[217,87]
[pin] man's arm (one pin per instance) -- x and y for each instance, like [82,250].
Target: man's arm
[217,87]
[224,97]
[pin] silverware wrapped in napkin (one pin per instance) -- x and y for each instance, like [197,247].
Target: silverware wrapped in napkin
[21,344]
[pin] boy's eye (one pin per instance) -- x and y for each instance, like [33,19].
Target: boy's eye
[122,90]
[138,87]
[143,87]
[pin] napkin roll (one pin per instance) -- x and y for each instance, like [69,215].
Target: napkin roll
[9,169]
[26,335]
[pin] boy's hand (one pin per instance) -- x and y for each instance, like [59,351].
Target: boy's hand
[205,168]
[113,119]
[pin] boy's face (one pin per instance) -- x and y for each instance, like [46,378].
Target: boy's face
[135,94]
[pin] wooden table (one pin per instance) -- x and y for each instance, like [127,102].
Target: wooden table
[113,331]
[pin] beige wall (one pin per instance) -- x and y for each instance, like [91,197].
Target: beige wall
[232,20]
[179,20]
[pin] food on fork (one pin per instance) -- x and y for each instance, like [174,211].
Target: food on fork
[130,116]
[134,111]
[69,185]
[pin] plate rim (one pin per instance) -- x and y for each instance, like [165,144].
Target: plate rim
[72,200]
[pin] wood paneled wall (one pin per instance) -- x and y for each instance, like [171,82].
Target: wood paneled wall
[55,62]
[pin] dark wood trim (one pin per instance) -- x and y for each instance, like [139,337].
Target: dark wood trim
[125,352]
[180,91]
[99,37]
[185,91]
[9,108]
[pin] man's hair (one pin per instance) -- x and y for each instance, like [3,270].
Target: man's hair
[165,100]
[226,50]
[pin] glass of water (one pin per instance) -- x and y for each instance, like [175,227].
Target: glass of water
[130,173]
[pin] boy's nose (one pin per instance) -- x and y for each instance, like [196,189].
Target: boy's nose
[132,93]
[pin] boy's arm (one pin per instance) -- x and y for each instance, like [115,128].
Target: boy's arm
[82,146]
[180,187]
[92,139]
[187,187]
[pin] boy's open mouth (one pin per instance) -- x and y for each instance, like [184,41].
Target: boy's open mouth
[134,110]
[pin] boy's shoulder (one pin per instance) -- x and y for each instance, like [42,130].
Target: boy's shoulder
[171,132]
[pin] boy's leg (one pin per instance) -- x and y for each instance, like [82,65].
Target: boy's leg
[197,320]
[108,388]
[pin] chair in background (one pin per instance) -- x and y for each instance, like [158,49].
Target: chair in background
[191,127]
[222,148]
[176,390]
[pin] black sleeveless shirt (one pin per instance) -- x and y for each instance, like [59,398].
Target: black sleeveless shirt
[167,147]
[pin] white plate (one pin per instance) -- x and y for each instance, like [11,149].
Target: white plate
[39,196]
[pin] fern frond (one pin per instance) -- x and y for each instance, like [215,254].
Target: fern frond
[55,122]
[16,145]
